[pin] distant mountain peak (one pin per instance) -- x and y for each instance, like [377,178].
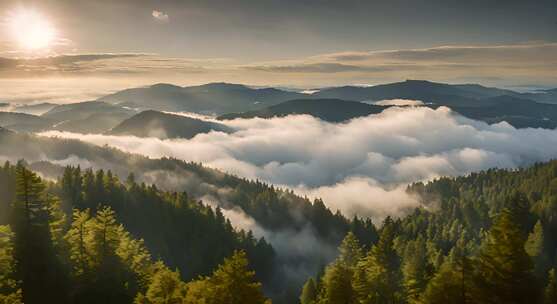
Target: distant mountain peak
[224,85]
[165,86]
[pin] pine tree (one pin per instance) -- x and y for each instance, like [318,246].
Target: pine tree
[337,281]
[165,288]
[504,271]
[309,292]
[534,246]
[350,251]
[231,283]
[550,292]
[10,293]
[78,239]
[416,270]
[382,283]
[451,284]
[38,265]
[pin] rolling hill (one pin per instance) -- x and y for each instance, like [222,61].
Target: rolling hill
[213,98]
[24,122]
[520,113]
[332,110]
[426,91]
[87,117]
[35,109]
[163,125]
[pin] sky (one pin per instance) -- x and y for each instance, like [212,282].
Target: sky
[302,43]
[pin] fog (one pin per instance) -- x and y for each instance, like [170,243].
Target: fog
[359,167]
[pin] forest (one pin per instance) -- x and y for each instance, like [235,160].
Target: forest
[89,238]
[488,237]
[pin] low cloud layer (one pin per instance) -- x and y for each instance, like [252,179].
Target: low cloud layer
[361,166]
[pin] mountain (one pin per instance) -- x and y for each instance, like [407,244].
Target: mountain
[87,117]
[24,122]
[332,110]
[233,100]
[520,113]
[213,98]
[35,109]
[546,96]
[426,91]
[163,125]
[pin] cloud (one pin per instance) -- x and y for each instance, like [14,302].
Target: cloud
[376,156]
[493,64]
[399,102]
[364,197]
[470,54]
[160,16]
[490,64]
[302,246]
[326,67]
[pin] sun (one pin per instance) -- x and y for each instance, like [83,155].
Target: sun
[31,30]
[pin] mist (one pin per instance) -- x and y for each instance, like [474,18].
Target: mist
[376,155]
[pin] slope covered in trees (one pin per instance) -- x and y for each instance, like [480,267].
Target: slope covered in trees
[193,237]
[89,257]
[485,238]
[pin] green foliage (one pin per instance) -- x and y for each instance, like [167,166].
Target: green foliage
[451,284]
[416,270]
[165,288]
[231,283]
[382,281]
[309,292]
[550,292]
[504,271]
[38,264]
[10,293]
[337,285]
[535,247]
[196,238]
[482,238]
[94,259]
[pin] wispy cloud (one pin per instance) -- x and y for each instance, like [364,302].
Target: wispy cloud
[498,65]
[488,62]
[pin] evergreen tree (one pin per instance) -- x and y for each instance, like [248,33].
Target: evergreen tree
[78,238]
[309,292]
[38,266]
[550,292]
[166,288]
[535,248]
[504,272]
[336,284]
[337,281]
[416,270]
[10,293]
[451,284]
[378,274]
[231,283]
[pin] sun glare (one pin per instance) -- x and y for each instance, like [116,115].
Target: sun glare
[31,30]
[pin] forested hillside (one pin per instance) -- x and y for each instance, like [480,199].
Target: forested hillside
[188,235]
[71,247]
[485,238]
[276,212]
